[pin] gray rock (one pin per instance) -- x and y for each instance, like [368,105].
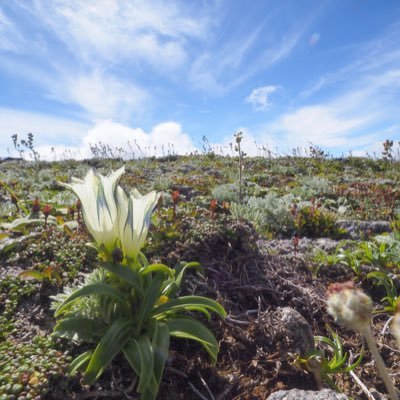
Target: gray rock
[285,246]
[298,333]
[362,229]
[186,168]
[296,394]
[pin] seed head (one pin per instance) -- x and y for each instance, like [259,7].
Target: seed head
[396,328]
[349,306]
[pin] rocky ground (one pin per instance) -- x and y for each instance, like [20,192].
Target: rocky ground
[270,283]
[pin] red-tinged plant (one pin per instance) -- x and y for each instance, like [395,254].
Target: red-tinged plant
[213,207]
[78,206]
[36,206]
[295,241]
[175,195]
[71,211]
[14,200]
[46,211]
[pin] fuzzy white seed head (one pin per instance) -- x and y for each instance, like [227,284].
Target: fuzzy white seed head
[396,328]
[350,307]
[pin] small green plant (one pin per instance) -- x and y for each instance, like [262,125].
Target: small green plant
[392,299]
[327,359]
[313,220]
[134,307]
[226,192]
[268,214]
[38,363]
[312,186]
[379,254]
[50,274]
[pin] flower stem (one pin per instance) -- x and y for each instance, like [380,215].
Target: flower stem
[380,365]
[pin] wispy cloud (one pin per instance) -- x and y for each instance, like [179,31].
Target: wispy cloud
[224,66]
[367,59]
[220,71]
[98,52]
[102,96]
[350,120]
[260,97]
[114,31]
[10,38]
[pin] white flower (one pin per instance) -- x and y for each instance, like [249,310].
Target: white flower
[134,217]
[99,209]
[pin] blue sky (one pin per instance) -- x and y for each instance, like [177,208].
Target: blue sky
[286,73]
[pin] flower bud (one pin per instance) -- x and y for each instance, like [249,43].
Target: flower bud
[36,206]
[213,205]
[46,210]
[175,196]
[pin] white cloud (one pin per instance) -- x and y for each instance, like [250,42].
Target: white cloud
[163,138]
[259,97]
[71,139]
[98,52]
[320,125]
[103,96]
[47,130]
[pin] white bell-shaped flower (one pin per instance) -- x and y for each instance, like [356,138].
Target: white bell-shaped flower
[134,217]
[97,195]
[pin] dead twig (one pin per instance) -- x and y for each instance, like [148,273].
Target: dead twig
[206,386]
[196,391]
[236,321]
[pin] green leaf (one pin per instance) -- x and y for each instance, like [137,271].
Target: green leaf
[157,268]
[126,274]
[189,328]
[180,269]
[80,328]
[145,351]
[187,303]
[20,223]
[7,245]
[132,354]
[151,296]
[93,289]
[160,345]
[81,361]
[109,346]
[30,273]
[70,226]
